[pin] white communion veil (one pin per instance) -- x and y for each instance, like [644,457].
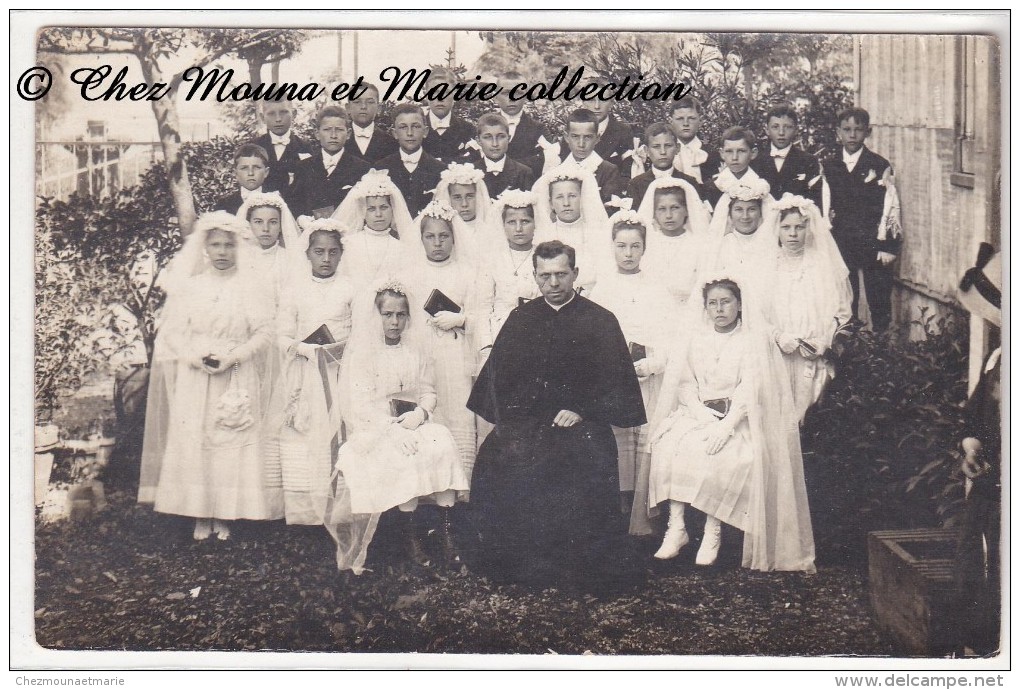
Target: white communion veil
[467,174]
[780,535]
[184,297]
[364,404]
[351,211]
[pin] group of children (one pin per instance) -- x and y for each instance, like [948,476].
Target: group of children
[434,223]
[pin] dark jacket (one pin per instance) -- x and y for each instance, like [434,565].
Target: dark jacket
[524,146]
[230,203]
[417,187]
[312,189]
[801,174]
[515,175]
[640,184]
[450,146]
[280,170]
[856,200]
[381,144]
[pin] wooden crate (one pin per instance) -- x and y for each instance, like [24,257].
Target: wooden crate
[910,582]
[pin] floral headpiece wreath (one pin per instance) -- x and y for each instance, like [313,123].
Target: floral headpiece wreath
[718,277]
[565,175]
[375,183]
[461,173]
[391,285]
[221,220]
[439,209]
[627,217]
[517,198]
[753,190]
[262,199]
[325,225]
[790,201]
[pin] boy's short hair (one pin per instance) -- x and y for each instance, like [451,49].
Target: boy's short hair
[685,104]
[492,120]
[407,109]
[369,86]
[581,116]
[331,111]
[859,114]
[738,133]
[629,225]
[782,110]
[442,75]
[552,249]
[251,151]
[657,128]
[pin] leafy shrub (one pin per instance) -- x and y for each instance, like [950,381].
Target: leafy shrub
[881,447]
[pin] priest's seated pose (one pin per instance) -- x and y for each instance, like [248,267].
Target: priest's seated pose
[544,496]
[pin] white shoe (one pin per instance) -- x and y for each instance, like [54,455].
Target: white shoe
[709,549]
[222,530]
[672,542]
[203,528]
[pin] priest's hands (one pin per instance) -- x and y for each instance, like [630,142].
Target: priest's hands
[448,320]
[566,418]
[716,435]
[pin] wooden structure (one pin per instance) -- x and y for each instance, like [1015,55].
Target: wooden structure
[910,583]
[936,115]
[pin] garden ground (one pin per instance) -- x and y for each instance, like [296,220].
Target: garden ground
[130,579]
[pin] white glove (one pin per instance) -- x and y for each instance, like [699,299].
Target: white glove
[306,350]
[412,420]
[641,368]
[786,342]
[447,320]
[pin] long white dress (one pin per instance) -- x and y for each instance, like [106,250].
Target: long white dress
[309,390]
[681,469]
[371,256]
[798,309]
[377,473]
[647,315]
[673,261]
[506,277]
[452,351]
[212,469]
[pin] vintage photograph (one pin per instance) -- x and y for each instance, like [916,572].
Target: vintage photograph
[333,353]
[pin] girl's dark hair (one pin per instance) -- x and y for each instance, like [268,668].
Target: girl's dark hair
[327,233]
[678,192]
[631,226]
[252,209]
[529,207]
[382,294]
[789,211]
[724,283]
[760,202]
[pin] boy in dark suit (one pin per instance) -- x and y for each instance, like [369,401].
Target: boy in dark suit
[660,143]
[251,166]
[371,142]
[864,210]
[581,138]
[501,171]
[414,172]
[684,117]
[739,148]
[525,131]
[285,148]
[614,139]
[322,181]
[787,168]
[448,134]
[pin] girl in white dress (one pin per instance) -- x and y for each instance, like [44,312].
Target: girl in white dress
[725,439]
[273,227]
[810,296]
[462,187]
[440,263]
[569,209]
[315,308]
[740,240]
[678,224]
[375,220]
[394,456]
[203,454]
[648,317]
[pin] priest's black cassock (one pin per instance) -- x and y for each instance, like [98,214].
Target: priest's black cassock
[544,499]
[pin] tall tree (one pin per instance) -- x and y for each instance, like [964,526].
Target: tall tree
[154,49]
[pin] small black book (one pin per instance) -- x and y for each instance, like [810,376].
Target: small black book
[320,336]
[438,302]
[399,407]
[637,352]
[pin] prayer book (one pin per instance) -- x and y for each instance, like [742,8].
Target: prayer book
[438,302]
